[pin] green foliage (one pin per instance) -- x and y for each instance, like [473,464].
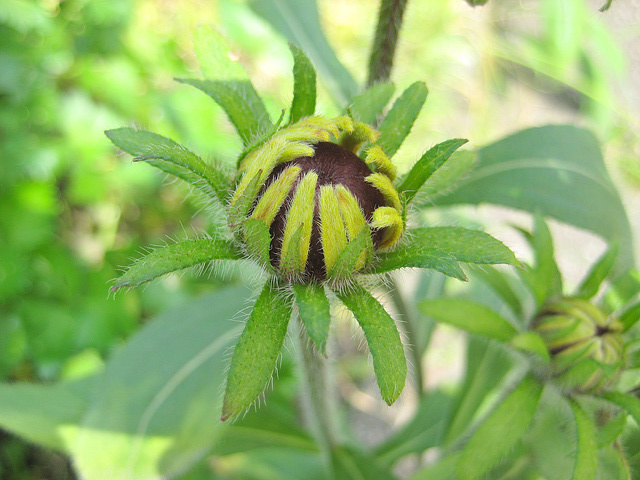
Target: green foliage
[313,308]
[124,404]
[254,357]
[389,362]
[175,257]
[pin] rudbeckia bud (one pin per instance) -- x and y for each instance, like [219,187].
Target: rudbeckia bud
[586,346]
[326,209]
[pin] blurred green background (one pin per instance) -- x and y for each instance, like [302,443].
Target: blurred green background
[73,211]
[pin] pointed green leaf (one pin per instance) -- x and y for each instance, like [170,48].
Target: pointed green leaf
[556,170]
[347,260]
[240,102]
[406,257]
[630,316]
[627,401]
[398,122]
[254,357]
[257,240]
[174,257]
[313,308]
[543,278]
[424,168]
[389,362]
[172,158]
[611,431]
[586,461]
[500,431]
[157,405]
[470,316]
[531,342]
[368,106]
[298,22]
[304,86]
[441,248]
[597,274]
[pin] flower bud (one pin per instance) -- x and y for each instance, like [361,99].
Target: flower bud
[586,346]
[323,205]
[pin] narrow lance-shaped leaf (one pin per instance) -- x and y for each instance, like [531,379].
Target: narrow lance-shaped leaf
[398,122]
[441,248]
[463,244]
[586,461]
[175,257]
[304,86]
[598,272]
[531,342]
[172,158]
[470,316]
[500,431]
[255,355]
[544,278]
[368,106]
[313,308]
[240,102]
[403,257]
[431,161]
[389,362]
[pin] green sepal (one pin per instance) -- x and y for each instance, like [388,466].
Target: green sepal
[402,257]
[626,401]
[345,265]
[501,430]
[471,316]
[239,210]
[445,180]
[463,244]
[175,257]
[304,86]
[240,102]
[172,158]
[598,273]
[441,248]
[314,311]
[630,316]
[532,343]
[257,240]
[544,277]
[389,362]
[368,106]
[398,122]
[255,355]
[424,168]
[586,460]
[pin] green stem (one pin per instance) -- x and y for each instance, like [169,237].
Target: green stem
[317,395]
[384,42]
[409,330]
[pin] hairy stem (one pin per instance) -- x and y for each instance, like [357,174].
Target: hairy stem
[384,42]
[409,330]
[317,394]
